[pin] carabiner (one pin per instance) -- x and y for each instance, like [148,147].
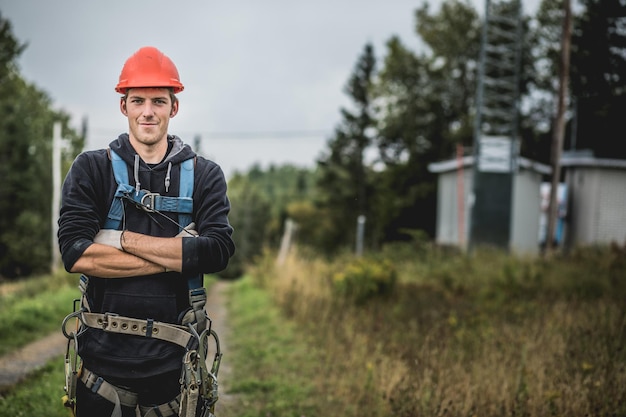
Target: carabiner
[76,314]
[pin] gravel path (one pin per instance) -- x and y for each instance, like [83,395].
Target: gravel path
[17,365]
[216,309]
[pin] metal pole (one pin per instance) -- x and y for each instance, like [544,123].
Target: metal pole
[56,194]
[460,195]
[360,232]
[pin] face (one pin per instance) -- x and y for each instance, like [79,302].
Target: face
[148,111]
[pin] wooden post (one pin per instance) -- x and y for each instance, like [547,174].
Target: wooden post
[286,241]
[559,126]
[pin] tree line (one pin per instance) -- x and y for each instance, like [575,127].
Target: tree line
[409,108]
[412,108]
[26,120]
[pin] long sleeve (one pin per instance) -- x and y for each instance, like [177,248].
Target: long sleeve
[82,205]
[212,249]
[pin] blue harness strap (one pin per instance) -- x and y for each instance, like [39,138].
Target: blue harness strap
[116,212]
[183,204]
[186,190]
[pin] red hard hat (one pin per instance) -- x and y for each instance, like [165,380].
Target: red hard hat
[149,67]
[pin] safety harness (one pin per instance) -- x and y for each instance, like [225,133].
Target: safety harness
[199,389]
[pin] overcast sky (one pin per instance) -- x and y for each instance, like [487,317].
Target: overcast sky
[263,79]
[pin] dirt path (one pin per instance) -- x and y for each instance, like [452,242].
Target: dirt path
[17,365]
[216,309]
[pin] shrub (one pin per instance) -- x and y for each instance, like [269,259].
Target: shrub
[363,278]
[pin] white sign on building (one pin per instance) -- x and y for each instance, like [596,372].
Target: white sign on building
[495,154]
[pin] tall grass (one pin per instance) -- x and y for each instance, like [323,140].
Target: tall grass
[412,331]
[487,334]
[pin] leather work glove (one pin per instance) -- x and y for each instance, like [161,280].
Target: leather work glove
[188,231]
[109,237]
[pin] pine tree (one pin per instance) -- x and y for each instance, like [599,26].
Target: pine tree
[343,183]
[598,78]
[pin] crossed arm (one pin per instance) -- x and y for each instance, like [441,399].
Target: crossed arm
[140,255]
[82,213]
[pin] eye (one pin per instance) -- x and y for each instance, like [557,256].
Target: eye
[159,101]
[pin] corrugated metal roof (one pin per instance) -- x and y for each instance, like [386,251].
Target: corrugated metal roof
[467,161]
[590,161]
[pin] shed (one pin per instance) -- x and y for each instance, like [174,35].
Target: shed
[454,200]
[597,199]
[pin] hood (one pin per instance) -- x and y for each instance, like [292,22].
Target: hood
[178,152]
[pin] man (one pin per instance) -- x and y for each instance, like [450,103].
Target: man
[128,242]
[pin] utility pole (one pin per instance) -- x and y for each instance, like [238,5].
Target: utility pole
[496,125]
[559,125]
[460,194]
[56,193]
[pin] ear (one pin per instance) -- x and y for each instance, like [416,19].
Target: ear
[174,110]
[123,106]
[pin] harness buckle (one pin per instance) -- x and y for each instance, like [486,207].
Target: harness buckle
[104,322]
[148,202]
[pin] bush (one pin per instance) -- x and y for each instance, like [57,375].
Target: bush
[361,279]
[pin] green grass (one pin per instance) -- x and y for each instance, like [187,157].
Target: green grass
[273,365]
[34,308]
[273,368]
[39,395]
[31,309]
[488,335]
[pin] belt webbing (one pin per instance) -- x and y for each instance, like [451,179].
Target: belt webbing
[139,327]
[116,395]
[120,396]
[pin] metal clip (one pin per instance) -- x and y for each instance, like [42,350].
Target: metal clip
[148,201]
[72,372]
[80,323]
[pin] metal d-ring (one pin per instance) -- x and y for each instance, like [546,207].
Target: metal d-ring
[75,314]
[148,201]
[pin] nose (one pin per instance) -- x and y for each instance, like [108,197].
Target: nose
[148,110]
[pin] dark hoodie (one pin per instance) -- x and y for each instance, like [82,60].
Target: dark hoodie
[88,191]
